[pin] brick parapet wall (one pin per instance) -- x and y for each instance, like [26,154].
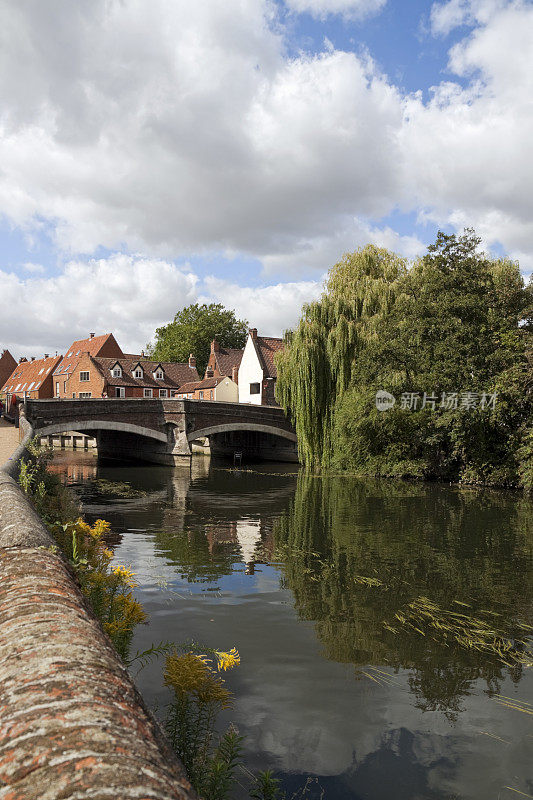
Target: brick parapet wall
[72,723]
[154,414]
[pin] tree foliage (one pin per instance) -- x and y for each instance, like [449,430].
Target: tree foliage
[192,330]
[455,321]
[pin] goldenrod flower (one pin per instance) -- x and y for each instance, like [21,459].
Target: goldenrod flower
[228,660]
[125,574]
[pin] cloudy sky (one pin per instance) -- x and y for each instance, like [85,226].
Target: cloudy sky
[158,152]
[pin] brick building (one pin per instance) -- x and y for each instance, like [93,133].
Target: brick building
[105,346]
[223,362]
[7,365]
[95,376]
[31,379]
[221,388]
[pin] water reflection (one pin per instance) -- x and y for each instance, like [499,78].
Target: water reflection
[303,575]
[445,544]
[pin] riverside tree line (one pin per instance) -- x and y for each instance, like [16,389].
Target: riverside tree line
[453,326]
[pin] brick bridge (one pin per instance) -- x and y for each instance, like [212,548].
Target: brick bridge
[162,431]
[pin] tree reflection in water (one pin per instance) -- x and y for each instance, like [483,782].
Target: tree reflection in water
[414,541]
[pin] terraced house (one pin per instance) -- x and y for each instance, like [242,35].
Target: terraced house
[31,379]
[127,376]
[105,345]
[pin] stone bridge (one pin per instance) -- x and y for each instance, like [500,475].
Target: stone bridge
[162,431]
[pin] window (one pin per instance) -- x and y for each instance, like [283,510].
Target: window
[65,386]
[158,374]
[163,393]
[148,393]
[57,389]
[73,395]
[84,395]
[211,395]
[201,395]
[120,391]
[117,372]
[84,376]
[138,373]
[254,388]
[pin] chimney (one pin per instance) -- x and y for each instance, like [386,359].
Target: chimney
[142,353]
[47,355]
[209,372]
[192,361]
[215,347]
[235,374]
[91,336]
[253,333]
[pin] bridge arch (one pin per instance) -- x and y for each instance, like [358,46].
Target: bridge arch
[100,425]
[241,426]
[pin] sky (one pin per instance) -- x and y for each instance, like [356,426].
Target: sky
[156,154]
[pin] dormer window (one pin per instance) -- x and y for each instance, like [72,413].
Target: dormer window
[158,374]
[138,373]
[117,371]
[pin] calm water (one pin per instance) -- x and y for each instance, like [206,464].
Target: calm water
[277,565]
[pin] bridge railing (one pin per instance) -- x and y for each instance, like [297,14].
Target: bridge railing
[72,723]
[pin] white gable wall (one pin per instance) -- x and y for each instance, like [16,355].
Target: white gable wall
[250,371]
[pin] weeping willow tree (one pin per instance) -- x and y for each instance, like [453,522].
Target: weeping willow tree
[317,365]
[456,322]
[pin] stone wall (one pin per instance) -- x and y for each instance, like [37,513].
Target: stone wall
[72,724]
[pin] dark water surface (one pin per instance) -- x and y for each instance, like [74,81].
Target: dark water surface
[305,577]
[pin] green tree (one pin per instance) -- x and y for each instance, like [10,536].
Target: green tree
[192,330]
[456,321]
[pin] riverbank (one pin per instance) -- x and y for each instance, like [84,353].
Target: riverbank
[72,723]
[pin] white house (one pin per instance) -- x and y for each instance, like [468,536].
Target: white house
[257,371]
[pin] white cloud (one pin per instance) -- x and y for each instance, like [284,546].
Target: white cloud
[270,309]
[34,269]
[446,16]
[467,151]
[352,9]
[127,295]
[130,296]
[174,128]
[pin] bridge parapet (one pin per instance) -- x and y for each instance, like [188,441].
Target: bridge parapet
[156,430]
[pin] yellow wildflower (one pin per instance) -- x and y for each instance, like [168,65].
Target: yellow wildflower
[228,660]
[125,574]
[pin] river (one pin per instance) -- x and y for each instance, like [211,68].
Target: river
[324,586]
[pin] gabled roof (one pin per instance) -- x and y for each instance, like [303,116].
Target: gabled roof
[266,348]
[226,358]
[29,375]
[174,374]
[93,345]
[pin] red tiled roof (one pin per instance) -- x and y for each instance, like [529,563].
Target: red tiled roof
[207,383]
[175,374]
[226,359]
[28,375]
[267,347]
[92,345]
